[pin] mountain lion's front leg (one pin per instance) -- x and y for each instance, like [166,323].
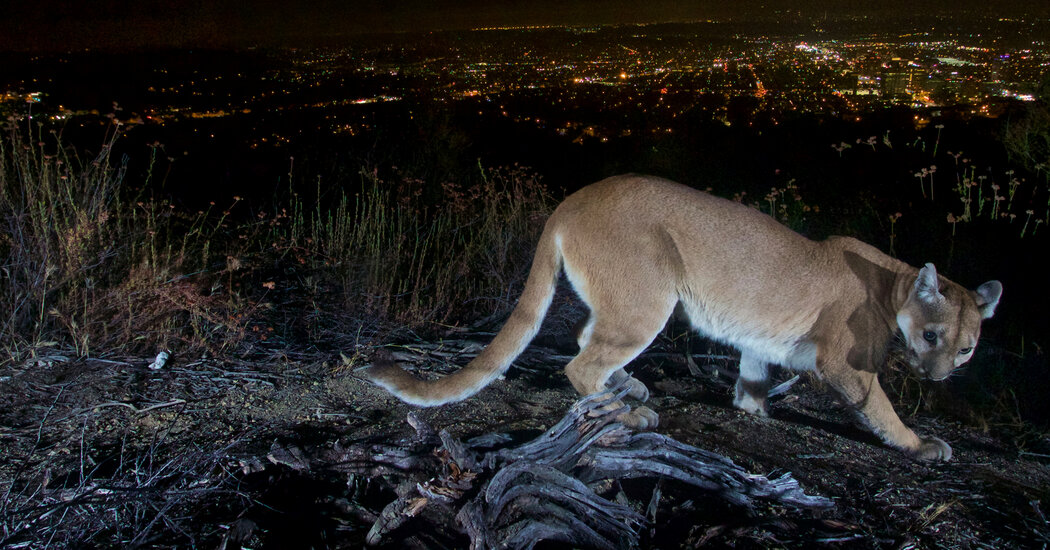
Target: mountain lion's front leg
[752,385]
[861,389]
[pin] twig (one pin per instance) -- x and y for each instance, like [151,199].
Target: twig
[128,405]
[783,387]
[107,361]
[828,540]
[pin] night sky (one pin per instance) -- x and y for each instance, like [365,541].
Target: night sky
[74,24]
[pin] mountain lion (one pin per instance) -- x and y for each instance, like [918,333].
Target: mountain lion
[633,247]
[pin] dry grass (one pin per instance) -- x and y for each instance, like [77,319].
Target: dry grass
[399,258]
[92,265]
[86,261]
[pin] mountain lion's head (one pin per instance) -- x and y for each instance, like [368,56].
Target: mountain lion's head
[941,322]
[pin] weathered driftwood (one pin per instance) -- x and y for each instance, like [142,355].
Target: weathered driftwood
[548,488]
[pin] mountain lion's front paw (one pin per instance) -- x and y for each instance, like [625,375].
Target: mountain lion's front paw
[933,448]
[748,404]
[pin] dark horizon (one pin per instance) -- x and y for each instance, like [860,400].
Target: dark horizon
[62,25]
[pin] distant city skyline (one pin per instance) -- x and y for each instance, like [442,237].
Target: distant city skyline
[73,24]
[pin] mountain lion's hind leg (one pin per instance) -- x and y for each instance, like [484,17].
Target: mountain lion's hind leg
[752,385]
[615,340]
[583,329]
[590,370]
[635,388]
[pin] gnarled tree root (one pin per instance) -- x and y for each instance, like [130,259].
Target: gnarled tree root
[548,488]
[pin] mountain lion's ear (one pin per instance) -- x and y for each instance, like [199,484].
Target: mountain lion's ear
[988,297]
[926,286]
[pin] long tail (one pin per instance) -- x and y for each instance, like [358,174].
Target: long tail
[494,360]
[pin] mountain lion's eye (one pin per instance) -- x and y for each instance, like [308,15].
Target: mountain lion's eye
[964,351]
[930,336]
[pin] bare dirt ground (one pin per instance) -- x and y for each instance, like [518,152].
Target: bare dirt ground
[105,452]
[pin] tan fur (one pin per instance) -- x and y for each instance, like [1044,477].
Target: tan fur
[633,247]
